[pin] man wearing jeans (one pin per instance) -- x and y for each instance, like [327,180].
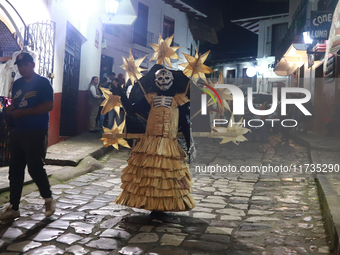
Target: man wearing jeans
[32,99]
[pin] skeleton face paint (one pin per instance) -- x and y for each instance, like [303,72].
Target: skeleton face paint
[164,79]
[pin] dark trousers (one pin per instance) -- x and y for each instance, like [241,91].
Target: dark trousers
[27,148]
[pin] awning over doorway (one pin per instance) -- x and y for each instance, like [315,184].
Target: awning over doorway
[333,44]
[294,58]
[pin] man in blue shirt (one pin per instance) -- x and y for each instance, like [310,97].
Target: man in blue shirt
[32,99]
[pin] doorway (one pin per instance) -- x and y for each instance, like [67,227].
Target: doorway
[68,115]
[106,65]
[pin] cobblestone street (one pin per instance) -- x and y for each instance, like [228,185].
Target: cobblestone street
[236,213]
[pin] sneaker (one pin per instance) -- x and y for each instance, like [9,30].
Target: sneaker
[49,207]
[9,213]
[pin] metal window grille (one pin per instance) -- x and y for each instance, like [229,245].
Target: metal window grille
[150,39]
[41,39]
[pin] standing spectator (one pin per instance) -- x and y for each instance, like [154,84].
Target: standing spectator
[111,77]
[95,99]
[121,79]
[114,86]
[121,82]
[101,118]
[129,87]
[112,114]
[103,72]
[32,101]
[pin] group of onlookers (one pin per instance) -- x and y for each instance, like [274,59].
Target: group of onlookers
[96,97]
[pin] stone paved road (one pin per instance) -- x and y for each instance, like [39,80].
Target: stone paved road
[236,213]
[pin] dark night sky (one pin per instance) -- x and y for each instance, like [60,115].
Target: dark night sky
[235,41]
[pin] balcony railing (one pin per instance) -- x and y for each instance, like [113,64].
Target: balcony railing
[112,30]
[150,39]
[295,29]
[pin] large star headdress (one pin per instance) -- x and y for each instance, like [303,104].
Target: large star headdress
[110,102]
[115,141]
[132,69]
[195,67]
[163,51]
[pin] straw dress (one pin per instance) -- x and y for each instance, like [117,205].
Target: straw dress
[157,177]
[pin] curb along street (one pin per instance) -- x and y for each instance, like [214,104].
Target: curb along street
[328,197]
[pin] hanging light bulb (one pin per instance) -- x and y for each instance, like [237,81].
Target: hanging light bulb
[119,12]
[306,37]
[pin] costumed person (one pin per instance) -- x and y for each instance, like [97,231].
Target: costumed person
[157,177]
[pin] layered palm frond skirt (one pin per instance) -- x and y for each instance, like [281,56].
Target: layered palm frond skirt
[152,178]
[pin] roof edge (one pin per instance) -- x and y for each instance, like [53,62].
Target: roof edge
[173,3]
[262,17]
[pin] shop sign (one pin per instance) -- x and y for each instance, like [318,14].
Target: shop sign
[320,25]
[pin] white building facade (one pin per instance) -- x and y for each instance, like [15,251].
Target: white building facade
[270,30]
[78,39]
[155,18]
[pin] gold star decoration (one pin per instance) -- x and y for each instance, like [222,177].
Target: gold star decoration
[233,133]
[132,69]
[163,51]
[114,141]
[225,95]
[110,102]
[195,67]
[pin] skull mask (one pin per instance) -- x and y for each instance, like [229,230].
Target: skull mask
[164,79]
